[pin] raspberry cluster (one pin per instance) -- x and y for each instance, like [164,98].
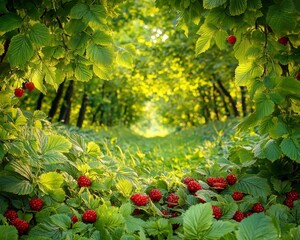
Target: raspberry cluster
[217,212]
[290,198]
[155,195]
[139,200]
[84,181]
[36,204]
[89,216]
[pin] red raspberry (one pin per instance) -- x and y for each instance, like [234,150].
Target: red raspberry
[29,86]
[19,92]
[11,215]
[247,214]
[136,211]
[210,181]
[199,199]
[298,76]
[231,179]
[21,225]
[172,200]
[289,202]
[139,200]
[238,216]
[258,207]
[89,216]
[193,186]
[74,219]
[188,179]
[237,196]
[165,213]
[219,184]
[217,212]
[283,40]
[84,181]
[292,195]
[231,39]
[174,225]
[36,204]
[155,195]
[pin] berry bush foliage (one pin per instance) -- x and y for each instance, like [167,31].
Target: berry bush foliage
[56,184]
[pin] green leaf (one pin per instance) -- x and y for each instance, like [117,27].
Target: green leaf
[125,59]
[281,186]
[20,50]
[9,22]
[78,41]
[79,10]
[272,150]
[54,157]
[102,38]
[203,44]
[247,71]
[8,233]
[196,220]
[291,148]
[93,149]
[56,143]
[100,55]
[282,17]
[39,34]
[210,4]
[15,185]
[252,184]
[125,210]
[254,4]
[75,26]
[124,186]
[51,180]
[83,72]
[220,39]
[133,224]
[237,7]
[20,168]
[258,226]
[218,230]
[96,15]
[264,106]
[103,72]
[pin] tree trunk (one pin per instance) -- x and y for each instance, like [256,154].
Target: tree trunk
[65,109]
[40,101]
[216,110]
[227,112]
[56,100]
[206,111]
[82,110]
[243,98]
[231,100]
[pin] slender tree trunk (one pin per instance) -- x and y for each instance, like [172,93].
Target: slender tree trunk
[243,98]
[215,104]
[231,100]
[227,112]
[206,111]
[40,101]
[95,113]
[82,110]
[65,109]
[56,100]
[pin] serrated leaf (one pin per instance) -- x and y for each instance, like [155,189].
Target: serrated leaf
[203,44]
[8,233]
[252,184]
[20,50]
[257,226]
[126,209]
[210,4]
[133,224]
[254,4]
[79,10]
[196,220]
[272,150]
[20,168]
[54,157]
[100,55]
[83,72]
[39,34]
[237,7]
[125,59]
[51,180]
[102,38]
[15,185]
[96,15]
[220,39]
[56,143]
[93,149]
[78,41]
[103,72]
[245,72]
[282,17]
[75,26]
[124,187]
[9,22]
[291,148]
[218,230]
[264,106]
